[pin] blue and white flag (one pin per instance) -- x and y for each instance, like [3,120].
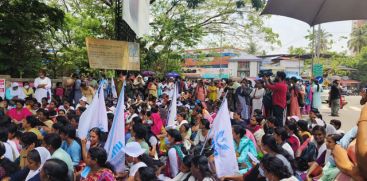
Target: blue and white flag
[173,109]
[113,89]
[222,141]
[94,116]
[116,137]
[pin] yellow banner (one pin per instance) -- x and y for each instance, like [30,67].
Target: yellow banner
[111,54]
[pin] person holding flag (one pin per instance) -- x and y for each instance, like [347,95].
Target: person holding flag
[222,141]
[94,116]
[116,137]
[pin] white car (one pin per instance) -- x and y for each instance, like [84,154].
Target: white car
[325,95]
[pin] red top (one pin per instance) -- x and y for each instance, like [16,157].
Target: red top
[279,93]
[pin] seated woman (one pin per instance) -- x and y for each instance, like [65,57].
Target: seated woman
[100,169]
[281,136]
[256,128]
[19,113]
[31,123]
[294,138]
[36,158]
[146,174]
[330,171]
[274,169]
[54,170]
[176,152]
[303,130]
[243,147]
[319,135]
[185,171]
[200,169]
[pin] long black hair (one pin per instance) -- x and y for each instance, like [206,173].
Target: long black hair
[56,170]
[202,163]
[318,85]
[275,166]
[100,156]
[282,132]
[269,141]
[292,125]
[239,130]
[175,134]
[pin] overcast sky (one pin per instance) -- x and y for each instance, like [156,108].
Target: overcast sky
[292,32]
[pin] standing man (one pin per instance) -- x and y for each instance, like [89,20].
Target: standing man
[334,98]
[279,96]
[43,87]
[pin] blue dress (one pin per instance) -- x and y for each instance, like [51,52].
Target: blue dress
[243,148]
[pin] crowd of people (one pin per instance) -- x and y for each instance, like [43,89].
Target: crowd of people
[277,128]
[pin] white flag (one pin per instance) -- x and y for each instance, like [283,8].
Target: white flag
[95,115]
[173,109]
[224,153]
[116,137]
[113,89]
[136,14]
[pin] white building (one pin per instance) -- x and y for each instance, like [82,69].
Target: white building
[217,63]
[289,64]
[243,66]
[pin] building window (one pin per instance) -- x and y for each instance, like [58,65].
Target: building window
[243,65]
[243,74]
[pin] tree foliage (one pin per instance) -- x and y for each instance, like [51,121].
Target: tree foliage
[361,66]
[358,39]
[178,26]
[83,18]
[53,35]
[23,45]
[320,38]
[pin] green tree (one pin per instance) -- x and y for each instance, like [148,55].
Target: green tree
[361,66]
[23,25]
[83,18]
[358,39]
[177,26]
[297,50]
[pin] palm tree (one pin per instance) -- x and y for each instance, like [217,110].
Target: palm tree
[358,39]
[325,43]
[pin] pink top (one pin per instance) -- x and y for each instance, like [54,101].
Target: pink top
[251,137]
[157,124]
[19,115]
[59,91]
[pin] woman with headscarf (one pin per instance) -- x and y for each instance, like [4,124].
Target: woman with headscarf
[36,158]
[43,86]
[14,92]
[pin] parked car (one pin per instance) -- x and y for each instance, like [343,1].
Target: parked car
[325,95]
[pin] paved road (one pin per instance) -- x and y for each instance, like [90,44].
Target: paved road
[349,115]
